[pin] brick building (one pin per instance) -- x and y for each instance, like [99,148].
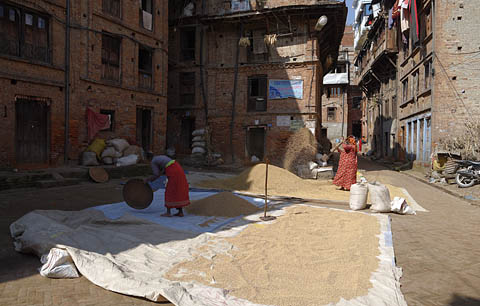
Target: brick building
[118,66]
[257,93]
[341,113]
[420,76]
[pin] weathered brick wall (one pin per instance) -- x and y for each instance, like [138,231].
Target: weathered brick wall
[457,73]
[21,77]
[87,87]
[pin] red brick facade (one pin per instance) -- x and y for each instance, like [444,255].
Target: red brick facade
[24,78]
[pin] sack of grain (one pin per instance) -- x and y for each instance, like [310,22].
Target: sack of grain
[400,206]
[97,146]
[198,150]
[200,144]
[109,152]
[119,144]
[199,132]
[132,150]
[358,196]
[107,160]
[380,197]
[198,138]
[89,159]
[127,160]
[312,165]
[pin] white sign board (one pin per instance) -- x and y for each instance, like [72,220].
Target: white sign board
[283,120]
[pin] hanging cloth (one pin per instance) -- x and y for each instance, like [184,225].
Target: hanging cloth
[415,29]
[96,122]
[404,16]
[396,10]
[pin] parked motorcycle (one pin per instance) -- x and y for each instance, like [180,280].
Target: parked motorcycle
[468,173]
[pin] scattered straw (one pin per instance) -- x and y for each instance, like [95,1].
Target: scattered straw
[224,204]
[310,256]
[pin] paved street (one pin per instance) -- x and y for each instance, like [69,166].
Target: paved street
[438,250]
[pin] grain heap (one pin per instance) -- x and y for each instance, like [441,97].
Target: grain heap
[301,149]
[283,183]
[310,246]
[224,204]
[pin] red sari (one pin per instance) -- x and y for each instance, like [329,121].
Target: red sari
[176,192]
[347,167]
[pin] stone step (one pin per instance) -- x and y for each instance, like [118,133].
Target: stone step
[57,183]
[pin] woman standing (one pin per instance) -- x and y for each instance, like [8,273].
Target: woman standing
[347,167]
[176,192]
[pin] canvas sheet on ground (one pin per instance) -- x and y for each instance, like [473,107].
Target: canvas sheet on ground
[193,223]
[307,256]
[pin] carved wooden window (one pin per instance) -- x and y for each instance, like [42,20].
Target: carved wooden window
[111,57]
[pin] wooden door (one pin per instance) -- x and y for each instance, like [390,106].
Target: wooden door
[31,142]
[144,128]
[187,128]
[256,142]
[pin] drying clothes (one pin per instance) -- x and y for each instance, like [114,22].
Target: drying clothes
[396,10]
[96,122]
[404,19]
[415,29]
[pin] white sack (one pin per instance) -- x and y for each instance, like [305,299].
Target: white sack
[312,165]
[200,144]
[111,152]
[107,160]
[198,138]
[127,160]
[198,150]
[119,144]
[89,159]
[198,132]
[58,264]
[380,197]
[358,196]
[400,206]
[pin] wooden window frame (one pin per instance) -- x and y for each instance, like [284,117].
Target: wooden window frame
[141,14]
[108,40]
[257,103]
[111,113]
[145,73]
[187,89]
[331,113]
[21,26]
[187,53]
[107,9]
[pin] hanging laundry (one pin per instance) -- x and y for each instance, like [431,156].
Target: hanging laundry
[404,16]
[396,10]
[415,29]
[390,19]
[96,122]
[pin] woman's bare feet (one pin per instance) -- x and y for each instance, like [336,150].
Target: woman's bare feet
[166,215]
[179,214]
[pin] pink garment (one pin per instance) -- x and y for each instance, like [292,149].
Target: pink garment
[96,122]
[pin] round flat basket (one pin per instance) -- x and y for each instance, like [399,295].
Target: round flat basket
[98,174]
[137,194]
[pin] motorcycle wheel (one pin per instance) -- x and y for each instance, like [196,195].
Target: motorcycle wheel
[463,181]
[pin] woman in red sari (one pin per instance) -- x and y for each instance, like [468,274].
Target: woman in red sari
[176,192]
[347,166]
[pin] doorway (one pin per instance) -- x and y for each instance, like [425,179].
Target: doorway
[144,128]
[31,131]
[256,142]
[186,130]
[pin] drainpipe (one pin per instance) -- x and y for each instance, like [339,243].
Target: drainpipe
[432,74]
[67,81]
[234,94]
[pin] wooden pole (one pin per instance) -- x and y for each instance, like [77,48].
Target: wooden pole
[266,185]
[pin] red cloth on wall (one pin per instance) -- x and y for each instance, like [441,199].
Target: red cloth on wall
[96,122]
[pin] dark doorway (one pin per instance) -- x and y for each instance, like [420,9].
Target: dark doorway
[144,128]
[31,137]
[256,142]
[188,126]
[357,129]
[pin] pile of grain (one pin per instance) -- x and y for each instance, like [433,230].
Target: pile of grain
[285,262]
[224,204]
[301,149]
[283,183]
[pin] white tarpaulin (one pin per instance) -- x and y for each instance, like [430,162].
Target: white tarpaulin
[129,255]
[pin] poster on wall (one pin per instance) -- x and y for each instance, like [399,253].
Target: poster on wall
[282,89]
[283,120]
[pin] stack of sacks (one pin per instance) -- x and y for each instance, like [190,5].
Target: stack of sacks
[199,144]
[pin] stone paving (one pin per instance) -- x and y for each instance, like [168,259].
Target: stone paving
[438,250]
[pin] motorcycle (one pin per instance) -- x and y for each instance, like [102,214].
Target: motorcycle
[468,173]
